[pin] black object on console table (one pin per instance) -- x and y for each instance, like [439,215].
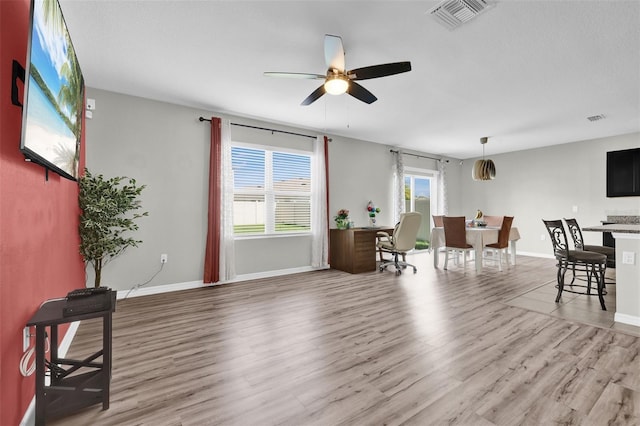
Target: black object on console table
[69,389]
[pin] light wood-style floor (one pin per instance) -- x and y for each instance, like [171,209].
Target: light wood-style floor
[330,348]
[575,307]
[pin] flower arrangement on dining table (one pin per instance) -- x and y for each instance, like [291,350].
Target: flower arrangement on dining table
[373,210]
[342,219]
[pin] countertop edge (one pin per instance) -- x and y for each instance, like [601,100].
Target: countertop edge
[617,227]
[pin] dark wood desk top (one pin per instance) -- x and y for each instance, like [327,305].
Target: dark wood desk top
[50,312]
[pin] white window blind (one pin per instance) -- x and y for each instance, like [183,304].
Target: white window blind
[272,191]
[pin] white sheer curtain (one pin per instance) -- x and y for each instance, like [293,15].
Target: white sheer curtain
[227,248]
[442,188]
[319,225]
[398,186]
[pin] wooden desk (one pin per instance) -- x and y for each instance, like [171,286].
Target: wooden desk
[354,250]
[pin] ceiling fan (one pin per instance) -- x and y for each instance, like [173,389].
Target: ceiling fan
[337,80]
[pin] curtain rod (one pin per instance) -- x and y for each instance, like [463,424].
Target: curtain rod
[419,156]
[264,128]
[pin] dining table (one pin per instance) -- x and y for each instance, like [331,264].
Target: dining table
[478,237]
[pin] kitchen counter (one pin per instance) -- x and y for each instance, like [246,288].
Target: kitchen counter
[627,238]
[624,228]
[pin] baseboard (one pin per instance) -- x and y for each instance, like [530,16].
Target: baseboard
[159,289]
[270,274]
[532,254]
[29,418]
[627,319]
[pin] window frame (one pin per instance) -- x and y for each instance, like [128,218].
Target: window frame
[270,194]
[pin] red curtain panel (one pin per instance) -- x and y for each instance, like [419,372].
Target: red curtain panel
[212,250]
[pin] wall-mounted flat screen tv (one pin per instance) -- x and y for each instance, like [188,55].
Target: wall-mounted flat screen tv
[623,173]
[54,93]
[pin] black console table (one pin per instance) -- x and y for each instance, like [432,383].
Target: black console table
[70,389]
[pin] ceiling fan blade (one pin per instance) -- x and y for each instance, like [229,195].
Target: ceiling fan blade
[361,93]
[295,75]
[333,52]
[382,70]
[314,96]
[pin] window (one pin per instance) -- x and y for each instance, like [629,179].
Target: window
[272,191]
[419,195]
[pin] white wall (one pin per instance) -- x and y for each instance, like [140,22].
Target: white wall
[546,183]
[165,147]
[358,172]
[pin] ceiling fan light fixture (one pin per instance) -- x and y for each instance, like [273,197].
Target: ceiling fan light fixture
[338,80]
[336,84]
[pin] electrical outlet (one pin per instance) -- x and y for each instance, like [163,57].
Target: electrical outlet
[26,339]
[164,258]
[542,237]
[574,209]
[628,258]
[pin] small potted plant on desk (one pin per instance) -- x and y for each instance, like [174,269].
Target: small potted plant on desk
[342,219]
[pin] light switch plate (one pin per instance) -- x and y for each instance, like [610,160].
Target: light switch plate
[628,258]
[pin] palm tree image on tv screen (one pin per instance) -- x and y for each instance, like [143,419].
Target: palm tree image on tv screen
[54,93]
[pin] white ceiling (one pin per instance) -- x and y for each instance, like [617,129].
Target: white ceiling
[525,73]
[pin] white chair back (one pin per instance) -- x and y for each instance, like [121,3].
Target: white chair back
[406,233]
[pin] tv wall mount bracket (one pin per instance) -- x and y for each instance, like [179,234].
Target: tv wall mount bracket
[18,73]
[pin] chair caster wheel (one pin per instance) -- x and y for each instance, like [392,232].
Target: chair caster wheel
[398,272]
[415,270]
[381,269]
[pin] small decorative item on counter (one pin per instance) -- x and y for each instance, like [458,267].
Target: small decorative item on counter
[373,210]
[479,221]
[342,219]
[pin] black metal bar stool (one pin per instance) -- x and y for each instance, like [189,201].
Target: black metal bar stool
[593,264]
[578,243]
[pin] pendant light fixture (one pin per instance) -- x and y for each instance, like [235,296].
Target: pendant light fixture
[483,169]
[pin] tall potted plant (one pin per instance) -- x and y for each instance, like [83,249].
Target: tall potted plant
[107,216]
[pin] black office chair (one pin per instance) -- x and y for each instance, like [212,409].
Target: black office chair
[594,264]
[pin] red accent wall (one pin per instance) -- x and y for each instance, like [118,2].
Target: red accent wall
[39,256]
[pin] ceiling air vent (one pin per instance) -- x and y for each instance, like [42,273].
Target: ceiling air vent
[596,117]
[453,13]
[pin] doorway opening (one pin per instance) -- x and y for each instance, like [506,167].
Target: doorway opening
[420,187]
